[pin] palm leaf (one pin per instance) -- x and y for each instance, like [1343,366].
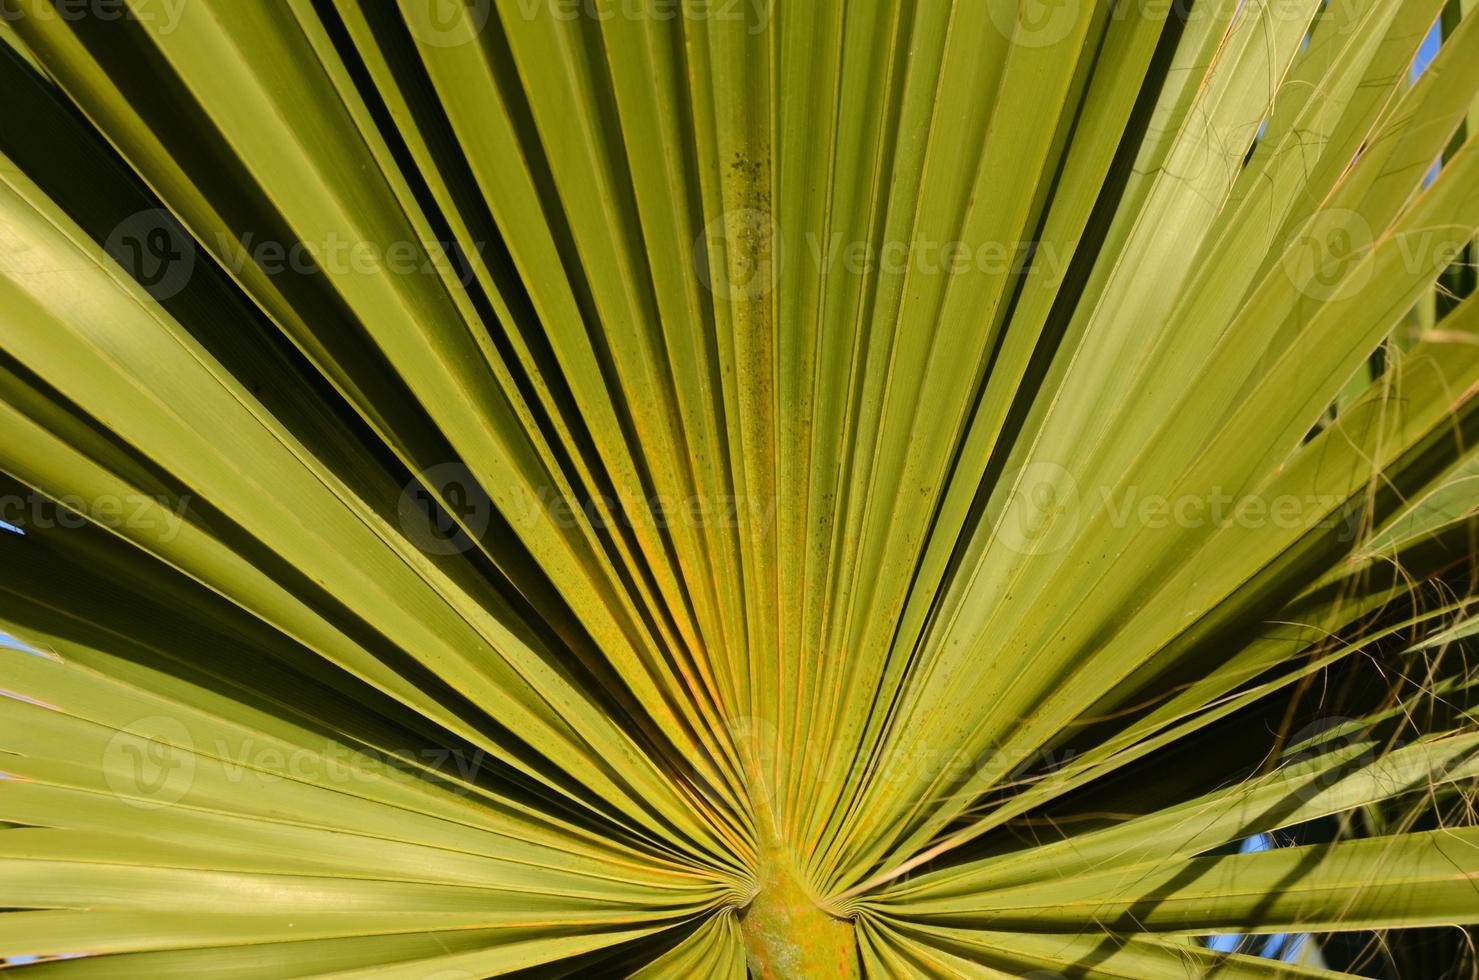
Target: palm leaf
[684,489]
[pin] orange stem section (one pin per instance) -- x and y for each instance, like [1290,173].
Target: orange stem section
[787,935]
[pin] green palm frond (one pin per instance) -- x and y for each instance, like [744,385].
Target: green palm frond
[707,488]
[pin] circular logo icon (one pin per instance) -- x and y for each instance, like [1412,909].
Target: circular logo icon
[1034,23]
[445,511]
[1324,262]
[446,23]
[738,254]
[1323,737]
[154,248]
[1042,513]
[150,764]
[757,742]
